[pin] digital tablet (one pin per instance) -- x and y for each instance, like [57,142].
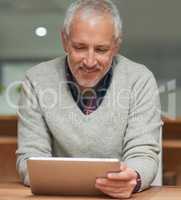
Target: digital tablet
[68,176]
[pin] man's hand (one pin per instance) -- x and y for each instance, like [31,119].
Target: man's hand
[118,185]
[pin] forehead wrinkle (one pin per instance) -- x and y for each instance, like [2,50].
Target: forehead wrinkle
[97,45]
[90,41]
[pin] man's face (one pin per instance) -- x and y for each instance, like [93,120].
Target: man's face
[91,47]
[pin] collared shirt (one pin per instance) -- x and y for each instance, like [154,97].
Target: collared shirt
[88,104]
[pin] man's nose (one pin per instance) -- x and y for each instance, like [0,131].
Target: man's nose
[90,59]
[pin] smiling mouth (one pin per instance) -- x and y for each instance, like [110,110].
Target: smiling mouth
[89,71]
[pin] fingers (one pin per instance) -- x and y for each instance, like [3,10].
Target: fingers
[116,192]
[123,195]
[118,185]
[125,175]
[109,189]
[113,183]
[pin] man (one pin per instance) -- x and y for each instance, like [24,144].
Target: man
[92,103]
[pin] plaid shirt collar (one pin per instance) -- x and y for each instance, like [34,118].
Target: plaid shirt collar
[88,104]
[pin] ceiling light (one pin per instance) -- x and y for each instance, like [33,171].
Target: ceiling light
[41,31]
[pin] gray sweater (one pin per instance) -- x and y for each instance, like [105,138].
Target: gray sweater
[126,125]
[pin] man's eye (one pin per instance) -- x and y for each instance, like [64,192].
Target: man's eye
[79,48]
[101,50]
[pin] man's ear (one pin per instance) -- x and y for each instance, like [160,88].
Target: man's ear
[118,45]
[64,41]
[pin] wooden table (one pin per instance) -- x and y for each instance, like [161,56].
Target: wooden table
[16,191]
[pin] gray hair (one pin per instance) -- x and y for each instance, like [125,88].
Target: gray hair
[103,6]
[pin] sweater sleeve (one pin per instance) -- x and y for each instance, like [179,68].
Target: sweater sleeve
[141,144]
[34,138]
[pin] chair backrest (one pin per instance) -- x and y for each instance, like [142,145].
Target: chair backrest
[158,179]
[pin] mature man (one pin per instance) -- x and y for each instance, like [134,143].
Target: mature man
[92,103]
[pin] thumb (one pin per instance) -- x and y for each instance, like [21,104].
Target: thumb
[123,166]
